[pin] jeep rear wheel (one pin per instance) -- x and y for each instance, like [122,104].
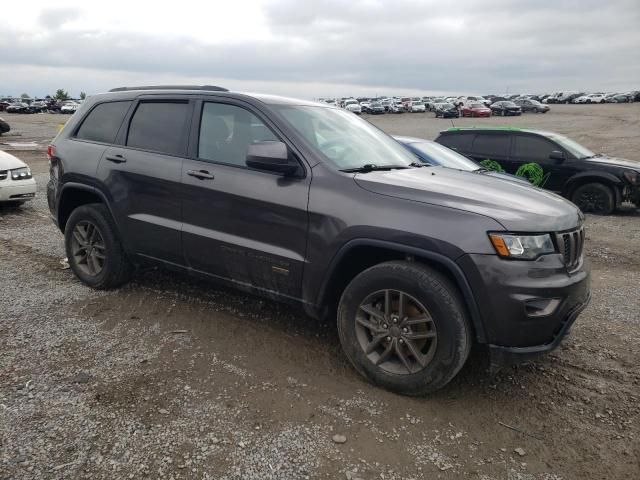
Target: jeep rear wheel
[594,198]
[403,326]
[94,251]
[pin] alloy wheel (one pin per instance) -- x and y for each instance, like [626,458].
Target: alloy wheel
[396,332]
[88,248]
[593,201]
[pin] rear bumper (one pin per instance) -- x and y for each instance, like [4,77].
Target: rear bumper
[527,307]
[17,190]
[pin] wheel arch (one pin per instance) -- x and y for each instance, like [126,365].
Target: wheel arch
[605,178]
[74,195]
[359,254]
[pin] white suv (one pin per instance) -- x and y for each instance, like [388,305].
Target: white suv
[353,106]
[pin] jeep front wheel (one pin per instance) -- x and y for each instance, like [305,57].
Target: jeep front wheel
[403,326]
[94,251]
[594,198]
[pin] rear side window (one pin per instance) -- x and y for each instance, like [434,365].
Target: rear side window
[159,127]
[459,142]
[103,122]
[533,148]
[491,145]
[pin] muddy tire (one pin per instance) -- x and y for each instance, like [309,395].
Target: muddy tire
[94,251]
[594,198]
[404,327]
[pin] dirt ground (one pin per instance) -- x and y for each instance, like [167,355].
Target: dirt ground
[170,377]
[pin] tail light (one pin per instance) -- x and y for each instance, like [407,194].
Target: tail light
[51,153]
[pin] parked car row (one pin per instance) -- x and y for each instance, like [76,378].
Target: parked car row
[10,105]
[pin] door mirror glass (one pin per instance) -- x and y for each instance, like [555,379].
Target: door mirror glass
[557,155]
[271,156]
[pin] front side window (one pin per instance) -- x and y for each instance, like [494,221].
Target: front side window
[491,145]
[103,122]
[226,131]
[532,148]
[159,126]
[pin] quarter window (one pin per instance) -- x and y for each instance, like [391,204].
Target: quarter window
[159,127]
[103,122]
[491,146]
[226,131]
[532,148]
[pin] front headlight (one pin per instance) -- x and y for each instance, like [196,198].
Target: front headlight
[631,176]
[524,247]
[21,173]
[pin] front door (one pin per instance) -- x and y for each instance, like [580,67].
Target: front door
[241,224]
[531,159]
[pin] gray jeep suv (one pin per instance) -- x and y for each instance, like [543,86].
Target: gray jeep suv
[309,204]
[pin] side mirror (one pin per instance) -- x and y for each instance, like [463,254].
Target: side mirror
[557,155]
[272,157]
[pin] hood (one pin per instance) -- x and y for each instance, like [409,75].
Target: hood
[518,207]
[614,161]
[9,162]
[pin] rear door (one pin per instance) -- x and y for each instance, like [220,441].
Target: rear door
[142,175]
[494,147]
[241,224]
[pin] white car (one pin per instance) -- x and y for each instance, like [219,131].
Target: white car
[417,107]
[591,98]
[353,106]
[70,107]
[17,184]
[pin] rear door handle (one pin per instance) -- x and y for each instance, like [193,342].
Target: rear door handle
[200,174]
[116,158]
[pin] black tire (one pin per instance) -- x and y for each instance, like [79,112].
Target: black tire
[448,318]
[594,198]
[116,268]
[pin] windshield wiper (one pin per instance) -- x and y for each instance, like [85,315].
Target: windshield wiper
[419,164]
[370,167]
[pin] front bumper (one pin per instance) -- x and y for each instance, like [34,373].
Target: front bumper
[17,190]
[513,297]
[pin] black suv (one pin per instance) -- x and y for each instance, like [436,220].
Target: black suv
[595,182]
[307,203]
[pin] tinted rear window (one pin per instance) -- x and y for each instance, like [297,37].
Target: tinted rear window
[460,142]
[103,122]
[491,145]
[160,127]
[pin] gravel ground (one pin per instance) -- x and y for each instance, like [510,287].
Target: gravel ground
[170,377]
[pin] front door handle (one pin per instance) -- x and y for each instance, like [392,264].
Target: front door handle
[200,174]
[116,158]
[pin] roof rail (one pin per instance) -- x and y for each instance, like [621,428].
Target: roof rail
[211,88]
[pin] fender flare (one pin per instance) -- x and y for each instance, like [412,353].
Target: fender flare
[99,193]
[604,177]
[450,265]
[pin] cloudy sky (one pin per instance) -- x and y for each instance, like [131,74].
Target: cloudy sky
[311,48]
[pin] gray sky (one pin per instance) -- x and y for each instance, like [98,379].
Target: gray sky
[311,48]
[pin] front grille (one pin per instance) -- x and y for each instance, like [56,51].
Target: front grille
[3,174]
[571,245]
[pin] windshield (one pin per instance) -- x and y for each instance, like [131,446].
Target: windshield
[345,139]
[574,148]
[477,105]
[445,157]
